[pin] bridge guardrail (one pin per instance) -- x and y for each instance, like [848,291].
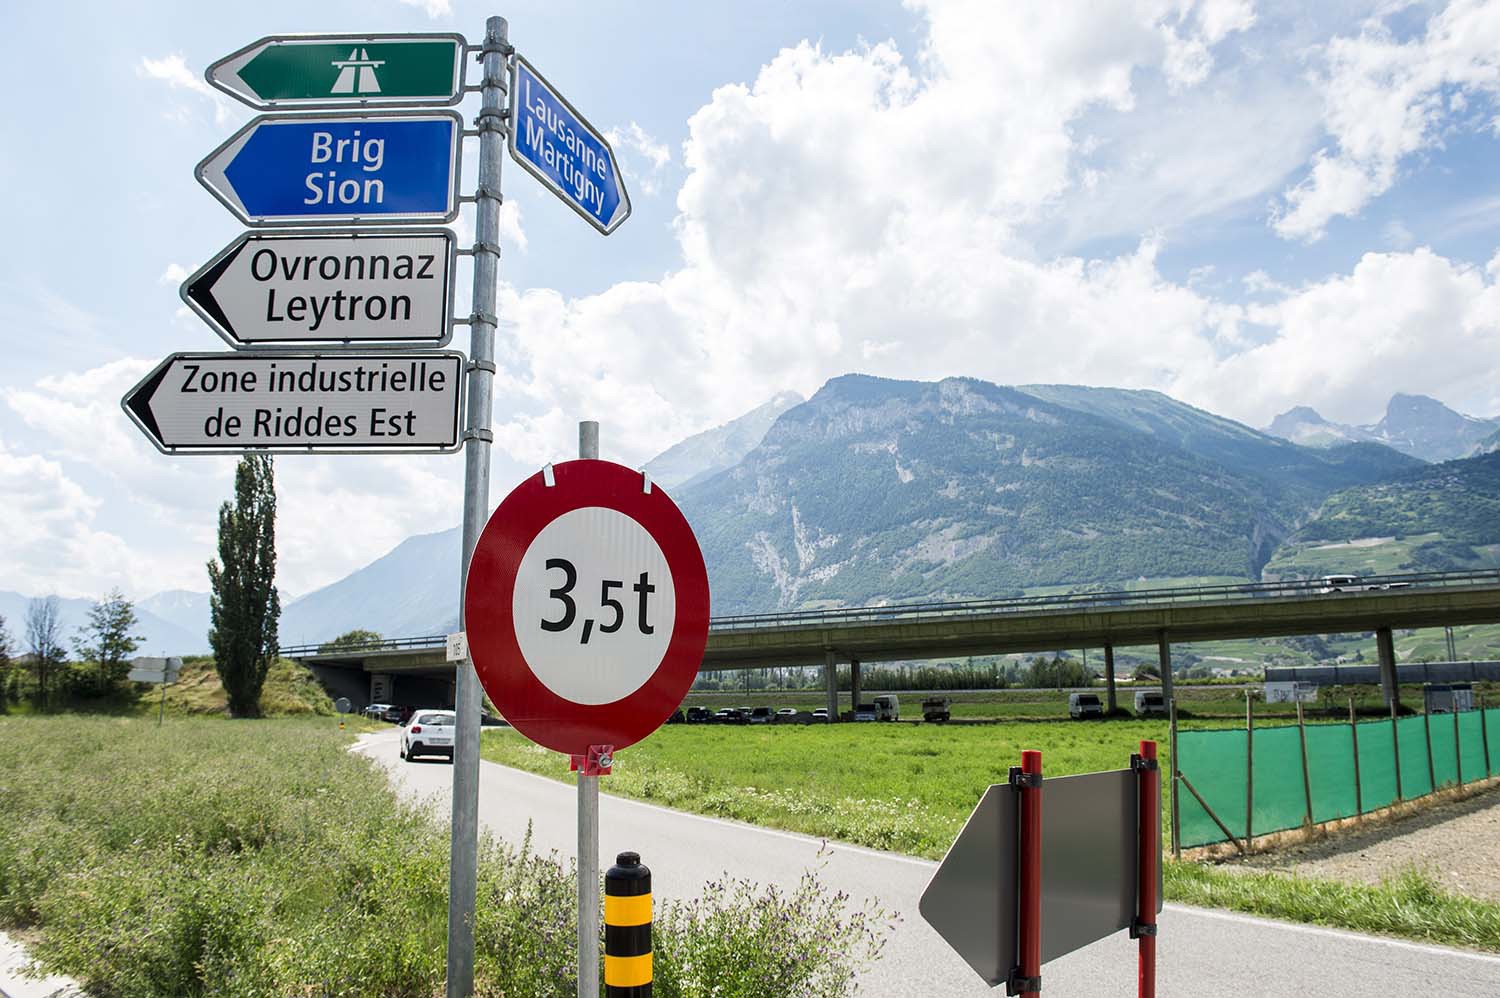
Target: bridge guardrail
[1061,601]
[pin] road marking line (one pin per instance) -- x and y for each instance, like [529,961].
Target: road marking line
[1321,930]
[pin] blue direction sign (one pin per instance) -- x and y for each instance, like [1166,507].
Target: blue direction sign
[314,170]
[555,144]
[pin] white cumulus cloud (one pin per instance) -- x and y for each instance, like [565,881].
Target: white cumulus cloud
[1386,100]
[174,72]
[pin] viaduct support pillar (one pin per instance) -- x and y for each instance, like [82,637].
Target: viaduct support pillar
[1164,658]
[831,678]
[854,682]
[1387,650]
[1109,676]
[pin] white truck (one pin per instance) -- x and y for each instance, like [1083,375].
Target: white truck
[887,707]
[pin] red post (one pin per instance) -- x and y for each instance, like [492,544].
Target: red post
[1030,915]
[1148,779]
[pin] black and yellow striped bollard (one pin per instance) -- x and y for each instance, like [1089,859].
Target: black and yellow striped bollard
[627,928]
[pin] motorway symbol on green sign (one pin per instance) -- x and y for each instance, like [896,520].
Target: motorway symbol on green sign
[340,70]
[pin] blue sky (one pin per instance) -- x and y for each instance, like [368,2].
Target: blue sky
[1247,204]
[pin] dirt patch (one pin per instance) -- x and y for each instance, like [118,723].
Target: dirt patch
[1454,840]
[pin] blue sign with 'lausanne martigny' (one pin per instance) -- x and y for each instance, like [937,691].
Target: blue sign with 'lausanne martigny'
[316,170]
[554,143]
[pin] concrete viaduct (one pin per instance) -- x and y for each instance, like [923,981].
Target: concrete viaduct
[907,632]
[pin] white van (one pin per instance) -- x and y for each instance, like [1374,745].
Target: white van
[887,707]
[1082,705]
[1150,703]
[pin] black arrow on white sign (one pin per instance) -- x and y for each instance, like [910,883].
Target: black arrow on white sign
[295,289]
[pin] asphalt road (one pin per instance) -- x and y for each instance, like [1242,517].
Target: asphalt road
[1201,953]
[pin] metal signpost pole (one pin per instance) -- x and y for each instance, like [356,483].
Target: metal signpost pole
[588,818]
[1148,816]
[463,861]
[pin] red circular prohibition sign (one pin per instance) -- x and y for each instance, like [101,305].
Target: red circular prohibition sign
[530,706]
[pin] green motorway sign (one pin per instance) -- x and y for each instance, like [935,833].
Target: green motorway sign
[342,70]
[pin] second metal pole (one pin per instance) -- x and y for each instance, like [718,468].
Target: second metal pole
[463,860]
[588,819]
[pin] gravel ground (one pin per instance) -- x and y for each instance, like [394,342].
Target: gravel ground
[1456,842]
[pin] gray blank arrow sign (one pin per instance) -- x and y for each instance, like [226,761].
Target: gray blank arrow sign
[1089,859]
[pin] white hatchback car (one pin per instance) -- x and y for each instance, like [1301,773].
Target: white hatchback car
[429,732]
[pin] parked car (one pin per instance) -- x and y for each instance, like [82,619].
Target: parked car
[678,717]
[1084,705]
[761,715]
[488,720]
[730,715]
[376,711]
[1149,703]
[887,707]
[866,712]
[699,715]
[936,709]
[429,732]
[787,712]
[400,715]
[820,716]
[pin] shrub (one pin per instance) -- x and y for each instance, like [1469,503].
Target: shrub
[263,859]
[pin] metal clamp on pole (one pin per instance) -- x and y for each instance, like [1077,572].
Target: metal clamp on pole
[490,119]
[481,434]
[480,365]
[627,928]
[1026,978]
[1026,781]
[1018,985]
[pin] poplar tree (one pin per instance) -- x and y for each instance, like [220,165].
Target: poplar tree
[243,604]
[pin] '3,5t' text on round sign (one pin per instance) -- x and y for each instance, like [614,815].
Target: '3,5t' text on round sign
[586,607]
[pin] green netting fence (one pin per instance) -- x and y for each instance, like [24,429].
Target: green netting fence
[1434,750]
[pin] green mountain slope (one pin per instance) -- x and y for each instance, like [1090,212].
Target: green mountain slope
[895,490]
[1443,517]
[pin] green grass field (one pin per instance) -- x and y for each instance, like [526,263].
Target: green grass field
[910,788]
[906,788]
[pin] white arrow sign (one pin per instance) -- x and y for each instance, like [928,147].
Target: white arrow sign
[295,289]
[230,403]
[154,670]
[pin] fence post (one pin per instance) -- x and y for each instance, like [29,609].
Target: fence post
[1359,803]
[1306,777]
[1249,768]
[1458,748]
[1427,728]
[1396,750]
[1176,770]
[1484,736]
